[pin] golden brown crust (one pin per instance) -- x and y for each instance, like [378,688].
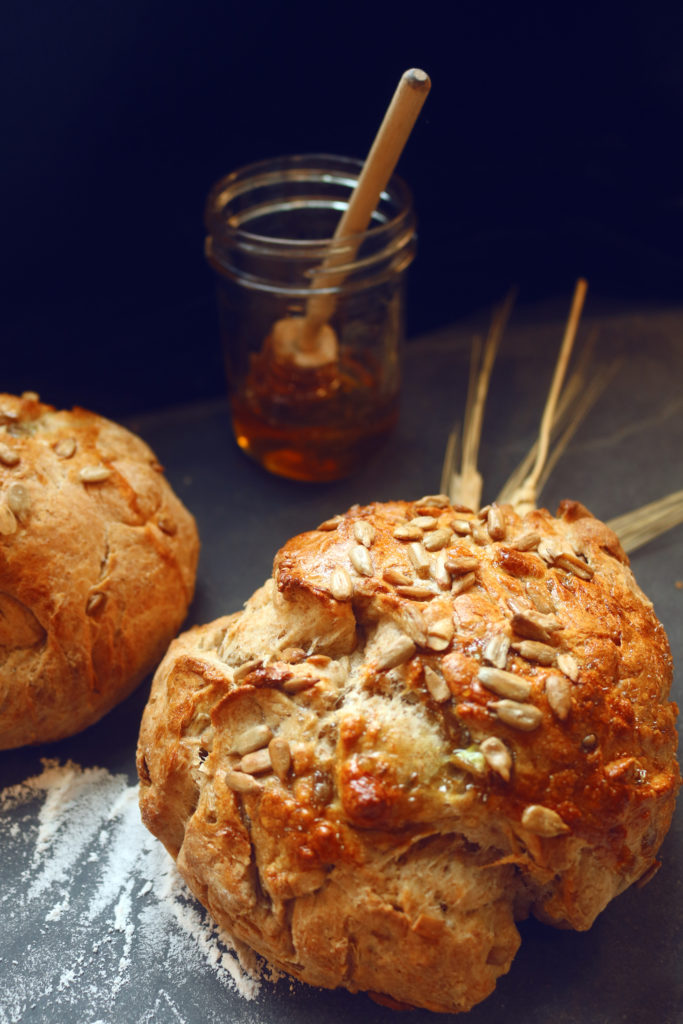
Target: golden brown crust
[97,567]
[427,725]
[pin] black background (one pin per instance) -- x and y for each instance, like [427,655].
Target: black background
[549,147]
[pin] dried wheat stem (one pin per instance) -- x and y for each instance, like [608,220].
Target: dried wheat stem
[466,487]
[525,498]
[639,527]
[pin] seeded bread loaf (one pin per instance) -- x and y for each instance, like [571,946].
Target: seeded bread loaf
[97,568]
[427,725]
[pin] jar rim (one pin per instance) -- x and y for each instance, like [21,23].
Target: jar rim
[320,166]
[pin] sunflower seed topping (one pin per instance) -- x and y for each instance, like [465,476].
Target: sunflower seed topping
[397,577]
[480,535]
[504,684]
[496,650]
[341,585]
[440,634]
[95,602]
[395,652]
[433,501]
[417,591]
[420,559]
[495,523]
[533,650]
[462,527]
[424,522]
[525,717]
[94,474]
[458,564]
[255,762]
[543,821]
[498,757]
[299,683]
[574,564]
[526,541]
[558,690]
[364,532]
[437,685]
[463,583]
[18,499]
[8,456]
[361,560]
[65,447]
[253,738]
[470,759]
[437,539]
[406,531]
[535,627]
[8,522]
[330,524]
[240,782]
[568,664]
[439,572]
[280,756]
[245,668]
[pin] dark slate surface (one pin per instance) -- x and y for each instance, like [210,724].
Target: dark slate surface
[628,452]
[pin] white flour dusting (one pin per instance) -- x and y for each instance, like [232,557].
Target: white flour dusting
[95,911]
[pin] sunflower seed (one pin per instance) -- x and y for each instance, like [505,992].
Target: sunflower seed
[18,499]
[571,563]
[417,591]
[8,522]
[255,762]
[497,756]
[407,532]
[341,585]
[540,600]
[361,560]
[424,522]
[319,660]
[461,563]
[395,652]
[245,668]
[533,650]
[469,759]
[568,664]
[496,650]
[495,523]
[433,501]
[253,738]
[292,655]
[94,474]
[167,525]
[549,548]
[440,634]
[504,684]
[464,583]
[526,541]
[65,447]
[420,559]
[330,524]
[95,602]
[280,756]
[543,821]
[535,627]
[480,535]
[8,456]
[240,782]
[461,526]
[437,539]
[300,683]
[397,577]
[558,690]
[439,573]
[437,685]
[483,513]
[364,532]
[525,717]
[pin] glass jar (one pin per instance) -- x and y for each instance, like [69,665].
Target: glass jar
[311,326]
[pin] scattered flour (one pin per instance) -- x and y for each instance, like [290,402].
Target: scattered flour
[95,914]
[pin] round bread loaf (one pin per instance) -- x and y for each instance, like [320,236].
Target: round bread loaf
[427,725]
[97,567]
